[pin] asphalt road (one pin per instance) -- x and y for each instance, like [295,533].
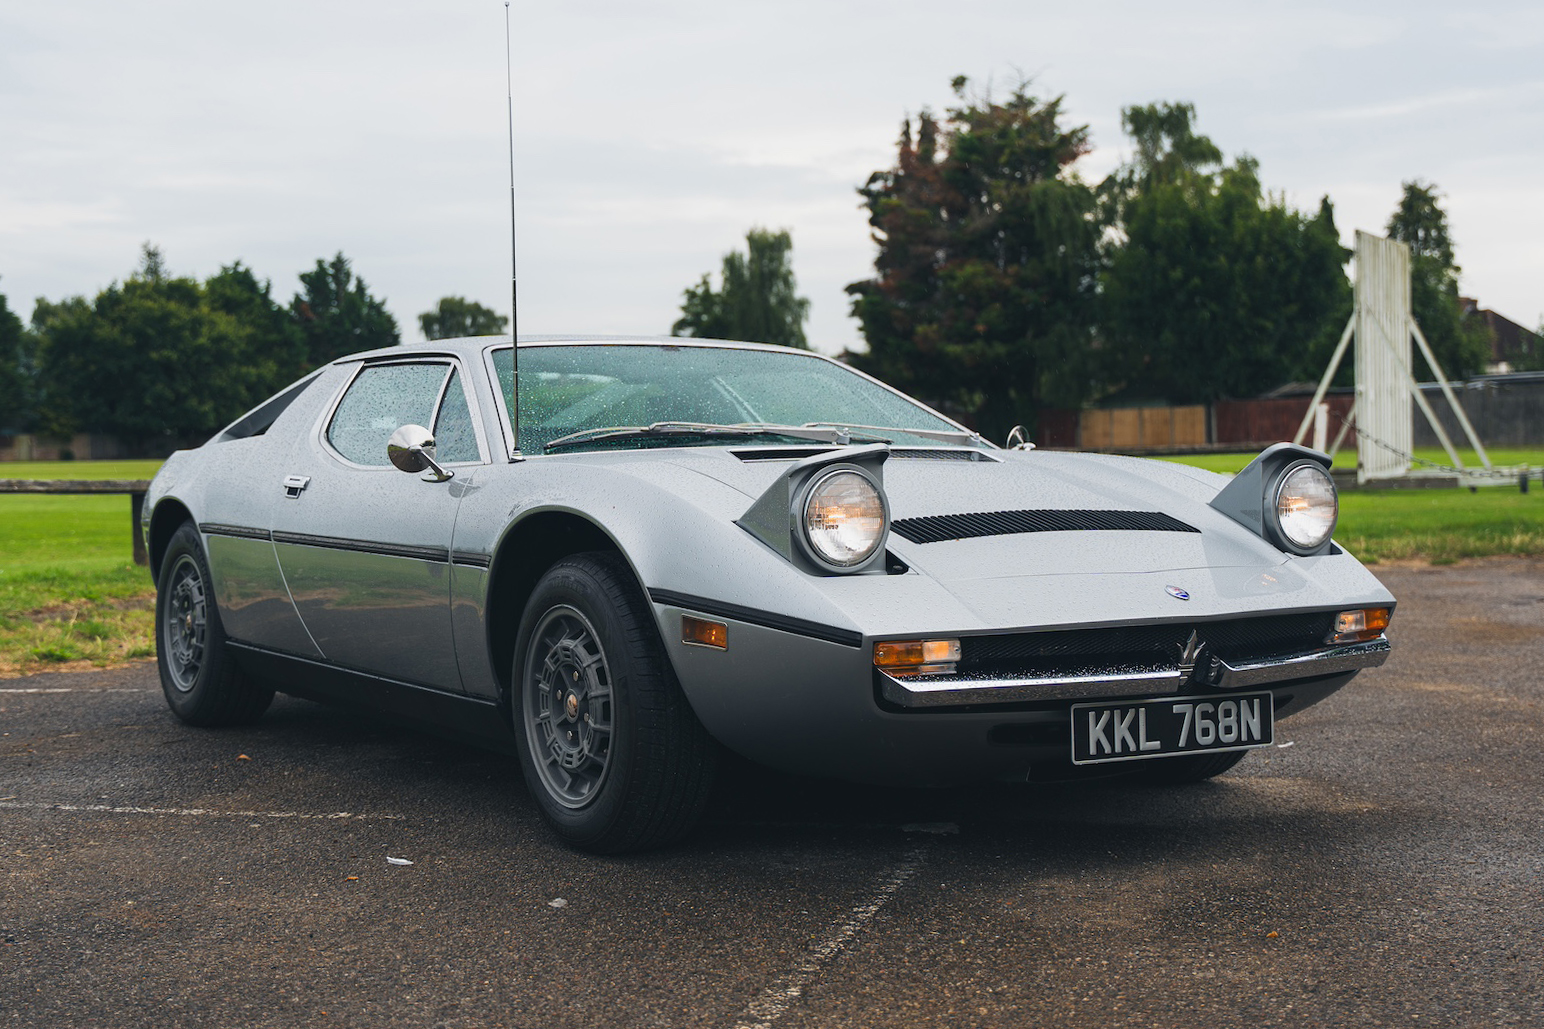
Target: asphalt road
[1383,869]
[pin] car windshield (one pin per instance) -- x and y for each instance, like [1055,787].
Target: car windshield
[584,388]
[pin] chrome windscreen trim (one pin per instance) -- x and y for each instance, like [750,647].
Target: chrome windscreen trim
[1301,666]
[934,692]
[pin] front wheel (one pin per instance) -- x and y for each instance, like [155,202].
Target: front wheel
[202,684]
[610,748]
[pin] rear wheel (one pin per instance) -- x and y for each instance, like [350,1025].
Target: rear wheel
[202,684]
[611,751]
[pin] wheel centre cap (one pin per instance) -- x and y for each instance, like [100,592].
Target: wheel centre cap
[571,705]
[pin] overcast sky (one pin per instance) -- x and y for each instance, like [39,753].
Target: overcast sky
[651,135]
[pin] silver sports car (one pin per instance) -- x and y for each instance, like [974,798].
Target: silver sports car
[674,546]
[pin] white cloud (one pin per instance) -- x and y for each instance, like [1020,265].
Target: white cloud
[651,135]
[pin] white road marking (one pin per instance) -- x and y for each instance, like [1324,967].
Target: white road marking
[74,689]
[775,999]
[334,816]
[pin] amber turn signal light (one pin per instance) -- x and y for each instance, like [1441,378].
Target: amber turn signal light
[703,633]
[1361,624]
[916,657]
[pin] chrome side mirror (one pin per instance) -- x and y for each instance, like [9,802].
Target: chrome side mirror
[411,449]
[1018,439]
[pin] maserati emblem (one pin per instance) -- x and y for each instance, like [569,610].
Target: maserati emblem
[1176,593]
[1190,655]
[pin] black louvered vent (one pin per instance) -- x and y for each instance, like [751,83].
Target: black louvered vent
[936,528]
[940,454]
[1237,638]
[780,453]
[896,453]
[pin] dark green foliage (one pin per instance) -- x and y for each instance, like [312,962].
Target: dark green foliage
[988,250]
[16,373]
[161,355]
[1531,359]
[1215,289]
[1462,347]
[273,352]
[337,314]
[1168,150]
[758,301]
[457,316]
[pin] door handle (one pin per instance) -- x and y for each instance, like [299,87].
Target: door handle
[294,484]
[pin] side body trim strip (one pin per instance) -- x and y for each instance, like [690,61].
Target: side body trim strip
[471,558]
[302,539]
[245,532]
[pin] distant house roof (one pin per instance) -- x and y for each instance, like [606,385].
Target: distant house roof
[1509,341]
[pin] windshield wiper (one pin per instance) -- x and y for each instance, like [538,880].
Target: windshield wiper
[820,434]
[964,439]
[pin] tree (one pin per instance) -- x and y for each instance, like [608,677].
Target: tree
[16,377]
[337,314]
[983,299]
[162,355]
[1168,149]
[271,348]
[458,316]
[1462,347]
[758,300]
[1212,289]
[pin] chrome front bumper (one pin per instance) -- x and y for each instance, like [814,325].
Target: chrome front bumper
[936,691]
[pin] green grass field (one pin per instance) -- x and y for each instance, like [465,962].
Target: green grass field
[1229,464]
[71,596]
[69,589]
[1438,525]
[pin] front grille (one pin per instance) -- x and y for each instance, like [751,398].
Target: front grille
[937,528]
[1234,640]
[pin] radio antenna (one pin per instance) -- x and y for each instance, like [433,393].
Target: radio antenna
[514,289]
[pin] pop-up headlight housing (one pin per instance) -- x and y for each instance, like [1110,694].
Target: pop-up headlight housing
[828,512]
[1285,496]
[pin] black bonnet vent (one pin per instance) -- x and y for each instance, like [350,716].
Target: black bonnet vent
[896,453]
[940,454]
[780,453]
[937,528]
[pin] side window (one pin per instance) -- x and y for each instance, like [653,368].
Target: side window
[454,438]
[381,399]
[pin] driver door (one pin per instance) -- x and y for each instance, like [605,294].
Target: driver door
[365,548]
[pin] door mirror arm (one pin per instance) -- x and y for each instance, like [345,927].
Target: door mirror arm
[411,449]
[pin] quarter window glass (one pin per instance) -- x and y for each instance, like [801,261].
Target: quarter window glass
[382,399]
[454,438]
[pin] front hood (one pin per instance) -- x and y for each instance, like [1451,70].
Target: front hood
[1043,579]
[1013,481]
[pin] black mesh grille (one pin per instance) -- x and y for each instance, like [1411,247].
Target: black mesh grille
[779,453]
[936,528]
[1235,639]
[942,454]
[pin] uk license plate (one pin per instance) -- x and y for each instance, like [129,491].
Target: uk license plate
[1133,730]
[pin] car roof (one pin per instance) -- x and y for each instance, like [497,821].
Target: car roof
[467,346]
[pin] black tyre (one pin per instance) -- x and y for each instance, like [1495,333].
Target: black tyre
[1176,771]
[202,684]
[611,751]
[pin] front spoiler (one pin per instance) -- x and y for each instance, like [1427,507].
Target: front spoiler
[939,691]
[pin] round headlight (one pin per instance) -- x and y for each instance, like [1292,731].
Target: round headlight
[1307,506]
[844,518]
